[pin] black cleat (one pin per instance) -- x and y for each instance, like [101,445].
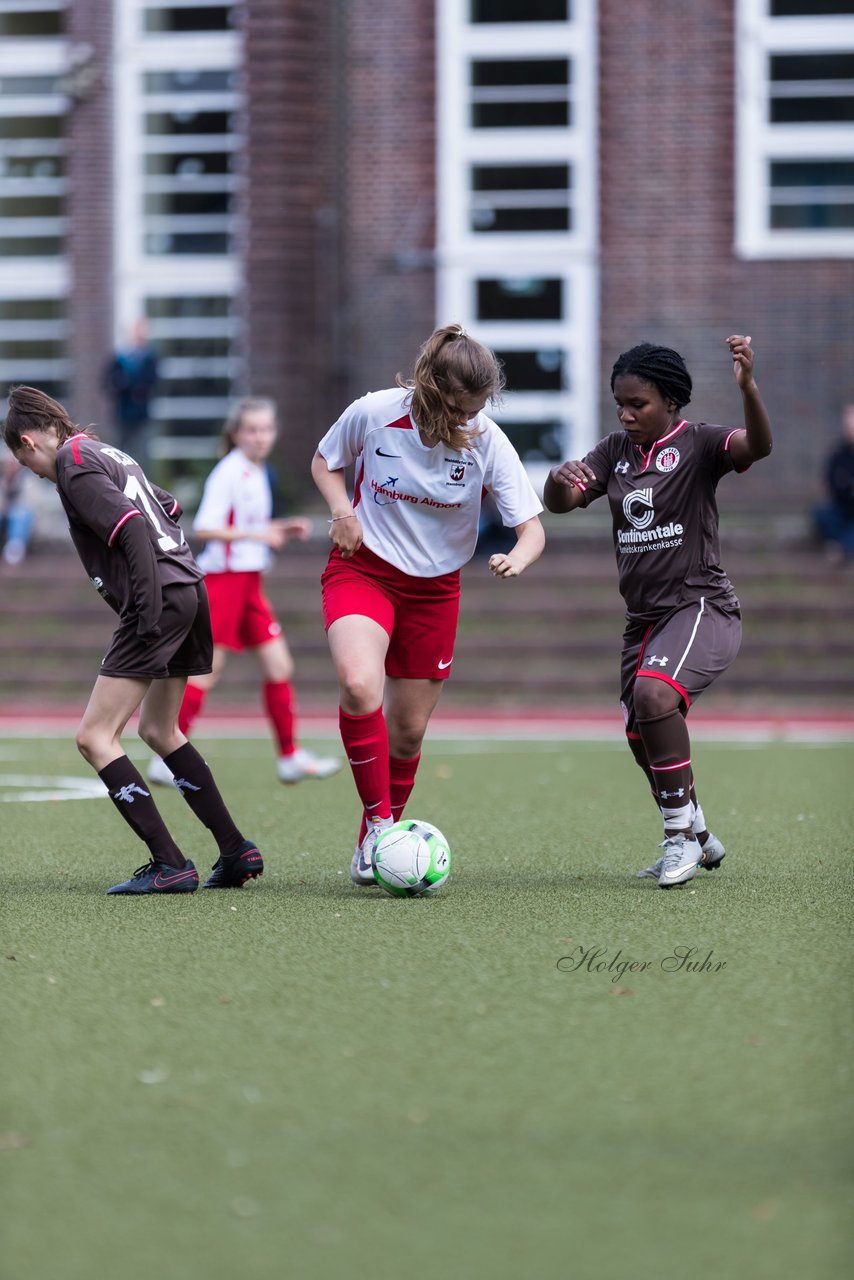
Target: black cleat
[159,877]
[232,871]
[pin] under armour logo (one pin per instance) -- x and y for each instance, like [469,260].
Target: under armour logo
[662,662]
[127,793]
[672,795]
[183,785]
[621,468]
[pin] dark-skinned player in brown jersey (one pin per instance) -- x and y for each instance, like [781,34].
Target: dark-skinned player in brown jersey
[126,533]
[683,619]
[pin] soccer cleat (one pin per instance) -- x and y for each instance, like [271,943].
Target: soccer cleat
[713,854]
[159,773]
[361,866]
[712,857]
[159,877]
[231,871]
[305,764]
[679,860]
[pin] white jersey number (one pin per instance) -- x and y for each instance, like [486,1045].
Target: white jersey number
[141,496]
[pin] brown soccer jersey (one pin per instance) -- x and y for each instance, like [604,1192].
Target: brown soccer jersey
[101,488]
[665,516]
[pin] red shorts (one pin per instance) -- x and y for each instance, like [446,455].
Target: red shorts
[241,615]
[419,614]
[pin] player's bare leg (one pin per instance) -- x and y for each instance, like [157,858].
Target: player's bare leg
[239,859]
[111,704]
[192,701]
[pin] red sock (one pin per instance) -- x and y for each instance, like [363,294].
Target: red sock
[191,706]
[401,775]
[365,740]
[279,703]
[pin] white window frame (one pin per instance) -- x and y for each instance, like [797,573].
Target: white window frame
[465,256]
[759,143]
[138,275]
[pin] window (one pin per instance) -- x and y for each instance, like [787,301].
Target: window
[517,207]
[520,197]
[795,128]
[520,93]
[34,279]
[519,10]
[520,298]
[178,117]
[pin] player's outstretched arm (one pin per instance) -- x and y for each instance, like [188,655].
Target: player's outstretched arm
[756,441]
[564,488]
[530,540]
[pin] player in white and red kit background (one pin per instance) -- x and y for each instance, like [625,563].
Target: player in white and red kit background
[235,521]
[425,454]
[683,620]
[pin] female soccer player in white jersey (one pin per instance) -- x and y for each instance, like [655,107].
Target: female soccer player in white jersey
[425,454]
[234,520]
[126,533]
[683,620]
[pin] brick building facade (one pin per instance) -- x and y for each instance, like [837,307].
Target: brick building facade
[376,167]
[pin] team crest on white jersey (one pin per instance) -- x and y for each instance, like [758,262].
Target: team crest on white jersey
[668,459]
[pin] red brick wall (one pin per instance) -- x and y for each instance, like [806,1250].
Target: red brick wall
[388,192]
[287,84]
[667,219]
[89,210]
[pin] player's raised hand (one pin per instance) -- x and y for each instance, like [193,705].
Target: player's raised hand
[742,359]
[574,473]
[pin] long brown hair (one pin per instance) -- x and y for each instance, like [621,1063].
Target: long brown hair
[34,410]
[249,404]
[449,364]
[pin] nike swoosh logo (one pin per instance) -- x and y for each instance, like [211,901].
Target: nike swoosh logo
[350,760]
[162,881]
[444,665]
[383,454]
[680,871]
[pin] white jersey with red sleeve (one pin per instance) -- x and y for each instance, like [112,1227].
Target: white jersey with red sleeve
[237,495]
[420,507]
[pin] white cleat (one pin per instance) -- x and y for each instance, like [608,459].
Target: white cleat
[305,764]
[712,857]
[361,864]
[159,773]
[679,861]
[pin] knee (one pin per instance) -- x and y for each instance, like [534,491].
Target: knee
[654,698]
[87,744]
[405,739]
[360,693]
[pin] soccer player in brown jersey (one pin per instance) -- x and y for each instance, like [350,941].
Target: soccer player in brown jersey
[683,619]
[126,533]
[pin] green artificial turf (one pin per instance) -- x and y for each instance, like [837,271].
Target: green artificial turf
[306,1080]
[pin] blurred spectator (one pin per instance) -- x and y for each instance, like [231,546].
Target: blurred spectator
[16,518]
[131,378]
[834,520]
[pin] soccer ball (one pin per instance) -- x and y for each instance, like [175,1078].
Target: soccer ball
[410,859]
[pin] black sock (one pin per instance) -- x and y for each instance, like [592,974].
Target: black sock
[132,798]
[196,783]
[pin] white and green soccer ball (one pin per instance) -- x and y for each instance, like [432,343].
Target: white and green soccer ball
[411,858]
